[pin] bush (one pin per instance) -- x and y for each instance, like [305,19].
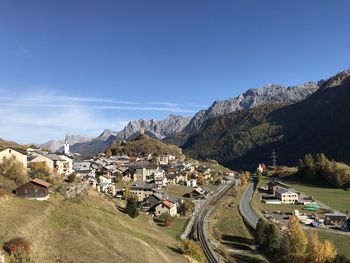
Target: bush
[17,245]
[167,219]
[71,178]
[186,208]
[11,168]
[20,257]
[192,249]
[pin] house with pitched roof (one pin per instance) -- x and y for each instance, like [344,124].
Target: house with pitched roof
[19,155]
[35,189]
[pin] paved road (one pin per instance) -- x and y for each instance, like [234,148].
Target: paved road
[245,207]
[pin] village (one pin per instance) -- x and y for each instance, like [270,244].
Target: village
[146,178]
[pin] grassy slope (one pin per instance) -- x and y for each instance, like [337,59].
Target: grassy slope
[91,230]
[228,223]
[334,197]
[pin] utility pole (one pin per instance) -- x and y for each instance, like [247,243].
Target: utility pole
[274,159]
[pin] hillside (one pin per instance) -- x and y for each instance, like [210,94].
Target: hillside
[4,144]
[157,129]
[317,124]
[252,98]
[87,230]
[142,146]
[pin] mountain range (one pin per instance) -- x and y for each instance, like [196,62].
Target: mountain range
[319,123]
[176,129]
[153,128]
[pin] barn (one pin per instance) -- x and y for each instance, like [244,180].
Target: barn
[35,189]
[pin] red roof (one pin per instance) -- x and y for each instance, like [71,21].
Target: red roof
[168,204]
[40,182]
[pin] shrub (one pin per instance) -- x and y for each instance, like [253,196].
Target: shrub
[192,249]
[20,257]
[71,178]
[17,245]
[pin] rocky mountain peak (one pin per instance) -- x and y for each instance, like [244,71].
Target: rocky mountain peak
[336,80]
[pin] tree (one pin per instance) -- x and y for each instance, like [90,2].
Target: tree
[273,239]
[261,230]
[329,251]
[301,165]
[309,160]
[131,207]
[200,179]
[314,250]
[40,170]
[127,188]
[13,169]
[71,178]
[186,208]
[297,240]
[109,152]
[321,160]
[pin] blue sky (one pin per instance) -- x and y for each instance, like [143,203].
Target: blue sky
[90,65]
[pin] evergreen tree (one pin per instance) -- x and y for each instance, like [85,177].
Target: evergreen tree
[261,231]
[273,239]
[131,207]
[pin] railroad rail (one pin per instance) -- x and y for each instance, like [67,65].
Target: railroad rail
[200,225]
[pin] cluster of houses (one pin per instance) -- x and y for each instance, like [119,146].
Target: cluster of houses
[147,180]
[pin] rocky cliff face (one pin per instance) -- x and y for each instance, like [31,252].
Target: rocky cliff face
[161,129]
[252,98]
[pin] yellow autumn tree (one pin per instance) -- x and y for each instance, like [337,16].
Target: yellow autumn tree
[314,251]
[329,251]
[297,240]
[319,252]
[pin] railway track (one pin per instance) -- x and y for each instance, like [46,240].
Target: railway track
[200,225]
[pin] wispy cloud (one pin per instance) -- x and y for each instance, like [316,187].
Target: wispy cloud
[22,52]
[95,103]
[38,118]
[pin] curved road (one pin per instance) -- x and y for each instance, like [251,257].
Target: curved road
[245,207]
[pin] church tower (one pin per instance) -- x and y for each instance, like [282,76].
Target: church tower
[66,145]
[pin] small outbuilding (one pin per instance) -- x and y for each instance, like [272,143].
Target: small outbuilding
[35,189]
[335,219]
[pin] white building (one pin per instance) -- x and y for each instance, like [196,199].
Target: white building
[9,153]
[192,183]
[66,145]
[286,196]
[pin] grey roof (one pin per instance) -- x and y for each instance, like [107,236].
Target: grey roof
[284,191]
[142,185]
[53,157]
